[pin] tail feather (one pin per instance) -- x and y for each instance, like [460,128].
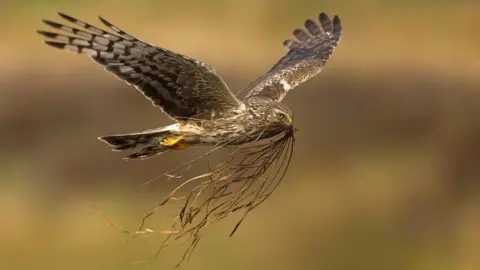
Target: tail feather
[149,140]
[147,152]
[127,141]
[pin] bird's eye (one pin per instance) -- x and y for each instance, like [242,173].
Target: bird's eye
[280,115]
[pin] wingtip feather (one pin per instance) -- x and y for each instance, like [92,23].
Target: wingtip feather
[336,20]
[300,34]
[323,16]
[312,27]
[104,21]
[52,23]
[55,44]
[65,16]
[325,22]
[47,34]
[337,26]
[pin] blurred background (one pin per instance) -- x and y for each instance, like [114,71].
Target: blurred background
[386,169]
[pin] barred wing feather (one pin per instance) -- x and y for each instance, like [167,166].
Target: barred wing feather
[306,57]
[182,87]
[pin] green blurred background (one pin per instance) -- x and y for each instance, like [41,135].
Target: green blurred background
[386,169]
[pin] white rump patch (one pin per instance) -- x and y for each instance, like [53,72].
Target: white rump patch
[181,128]
[173,127]
[286,86]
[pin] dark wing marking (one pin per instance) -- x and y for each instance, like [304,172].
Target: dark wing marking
[307,56]
[181,86]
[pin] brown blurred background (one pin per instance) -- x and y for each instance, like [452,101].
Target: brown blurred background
[386,169]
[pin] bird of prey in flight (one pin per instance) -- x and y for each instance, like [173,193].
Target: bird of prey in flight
[192,93]
[207,112]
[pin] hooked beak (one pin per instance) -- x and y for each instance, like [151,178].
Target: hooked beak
[290,120]
[290,123]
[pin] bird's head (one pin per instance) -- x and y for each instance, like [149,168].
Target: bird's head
[280,114]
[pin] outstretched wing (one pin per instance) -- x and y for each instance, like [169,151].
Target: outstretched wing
[307,56]
[181,86]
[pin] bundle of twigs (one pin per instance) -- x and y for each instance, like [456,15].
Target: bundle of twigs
[246,179]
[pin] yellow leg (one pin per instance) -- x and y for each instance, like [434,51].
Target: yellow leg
[180,146]
[174,142]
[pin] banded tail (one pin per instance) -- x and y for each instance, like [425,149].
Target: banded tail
[152,143]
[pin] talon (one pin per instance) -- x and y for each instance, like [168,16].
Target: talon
[171,141]
[174,142]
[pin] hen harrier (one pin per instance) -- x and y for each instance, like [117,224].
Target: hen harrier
[206,112]
[192,93]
